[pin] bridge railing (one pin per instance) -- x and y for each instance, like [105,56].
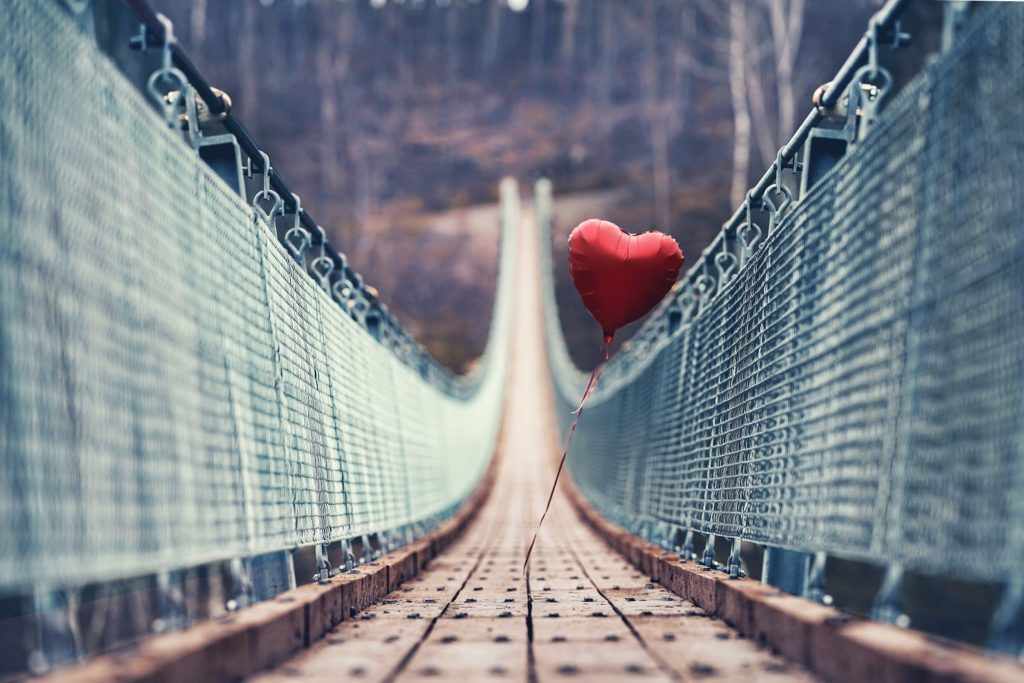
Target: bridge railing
[189,374]
[841,373]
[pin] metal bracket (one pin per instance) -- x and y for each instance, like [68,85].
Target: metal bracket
[786,570]
[686,552]
[223,154]
[708,558]
[736,559]
[324,572]
[350,559]
[823,149]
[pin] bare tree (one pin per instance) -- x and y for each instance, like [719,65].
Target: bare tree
[765,118]
[491,43]
[787,21]
[738,95]
[538,24]
[774,113]
[567,45]
[451,26]
[332,66]
[197,27]
[246,58]
[658,123]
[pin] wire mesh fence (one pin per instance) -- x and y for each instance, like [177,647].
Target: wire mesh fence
[851,378]
[174,386]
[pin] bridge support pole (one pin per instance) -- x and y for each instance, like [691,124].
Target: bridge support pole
[888,605]
[708,558]
[172,613]
[55,641]
[735,559]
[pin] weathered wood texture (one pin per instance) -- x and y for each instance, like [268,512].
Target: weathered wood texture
[833,644]
[240,644]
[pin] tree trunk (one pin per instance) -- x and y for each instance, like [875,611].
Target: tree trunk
[452,40]
[764,128]
[197,27]
[609,52]
[738,94]
[787,20]
[492,35]
[247,69]
[567,45]
[661,175]
[538,29]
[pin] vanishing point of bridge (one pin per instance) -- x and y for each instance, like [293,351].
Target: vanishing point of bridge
[222,458]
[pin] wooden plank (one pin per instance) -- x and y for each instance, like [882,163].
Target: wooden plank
[823,639]
[266,634]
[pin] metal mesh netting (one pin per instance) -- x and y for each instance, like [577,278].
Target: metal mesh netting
[175,388]
[855,384]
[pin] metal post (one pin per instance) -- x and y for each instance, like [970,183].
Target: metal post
[55,629]
[170,593]
[323,565]
[815,589]
[241,591]
[888,605]
[735,559]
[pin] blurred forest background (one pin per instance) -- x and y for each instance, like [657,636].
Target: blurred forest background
[395,120]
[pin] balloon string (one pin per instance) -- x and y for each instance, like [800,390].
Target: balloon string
[591,383]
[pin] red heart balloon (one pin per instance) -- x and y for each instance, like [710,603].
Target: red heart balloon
[620,276]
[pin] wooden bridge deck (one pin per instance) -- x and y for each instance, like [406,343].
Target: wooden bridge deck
[582,612]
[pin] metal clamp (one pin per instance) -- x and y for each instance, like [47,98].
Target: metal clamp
[297,239]
[725,263]
[267,193]
[174,107]
[774,210]
[322,266]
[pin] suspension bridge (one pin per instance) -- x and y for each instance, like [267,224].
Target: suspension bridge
[222,458]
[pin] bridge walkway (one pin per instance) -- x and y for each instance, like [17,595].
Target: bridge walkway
[582,612]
